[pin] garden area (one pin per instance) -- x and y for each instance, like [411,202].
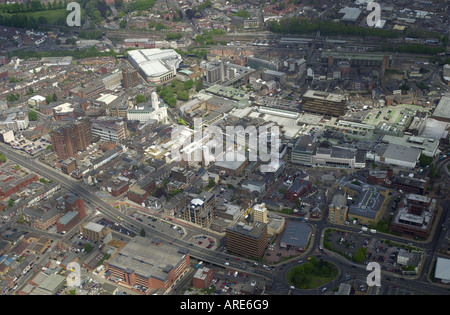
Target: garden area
[177,90]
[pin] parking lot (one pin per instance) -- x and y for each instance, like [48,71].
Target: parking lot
[30,147]
[116,227]
[380,251]
[229,286]
[204,241]
[223,193]
[164,226]
[79,243]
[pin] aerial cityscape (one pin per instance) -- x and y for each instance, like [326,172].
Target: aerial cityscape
[241,149]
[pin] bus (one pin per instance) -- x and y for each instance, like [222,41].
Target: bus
[198,265]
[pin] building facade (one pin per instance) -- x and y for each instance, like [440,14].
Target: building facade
[109,129]
[130,78]
[338,209]
[323,103]
[71,138]
[202,278]
[247,240]
[415,216]
[94,231]
[200,210]
[144,265]
[303,151]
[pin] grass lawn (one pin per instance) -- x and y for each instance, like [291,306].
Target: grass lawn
[52,16]
[312,274]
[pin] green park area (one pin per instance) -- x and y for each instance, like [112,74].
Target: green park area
[312,274]
[51,16]
[30,19]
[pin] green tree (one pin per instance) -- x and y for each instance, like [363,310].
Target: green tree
[211,183]
[88,248]
[183,95]
[172,101]
[140,99]
[160,26]
[32,115]
[425,160]
[13,97]
[242,14]
[199,86]
[142,233]
[360,255]
[174,36]
[188,84]
[30,91]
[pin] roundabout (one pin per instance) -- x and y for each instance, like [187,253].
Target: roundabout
[312,274]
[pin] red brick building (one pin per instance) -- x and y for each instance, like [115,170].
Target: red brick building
[139,192]
[67,222]
[75,212]
[69,139]
[74,203]
[10,183]
[116,188]
[145,265]
[68,166]
[298,188]
[379,177]
[202,278]
[415,216]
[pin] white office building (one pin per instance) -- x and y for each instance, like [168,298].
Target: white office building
[145,111]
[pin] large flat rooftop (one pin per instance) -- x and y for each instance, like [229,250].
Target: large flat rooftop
[148,258]
[442,110]
[325,96]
